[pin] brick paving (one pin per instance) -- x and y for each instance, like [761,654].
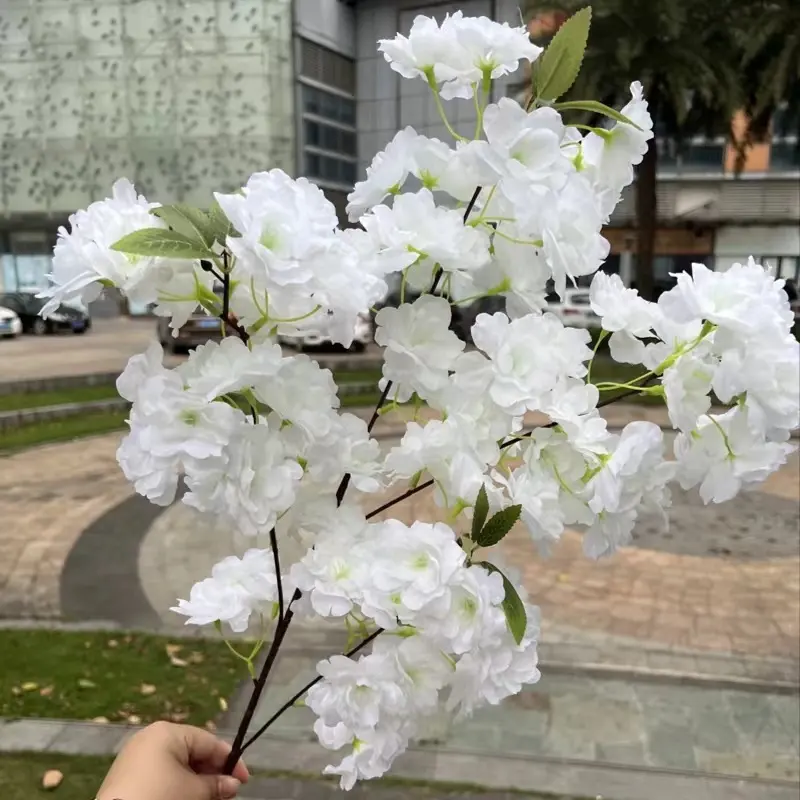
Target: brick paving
[50,495]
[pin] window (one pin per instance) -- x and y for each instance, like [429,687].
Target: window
[329,116]
[784,153]
[326,66]
[695,155]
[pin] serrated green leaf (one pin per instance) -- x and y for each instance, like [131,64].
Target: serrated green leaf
[498,526]
[479,512]
[558,67]
[191,222]
[221,225]
[593,107]
[513,607]
[161,242]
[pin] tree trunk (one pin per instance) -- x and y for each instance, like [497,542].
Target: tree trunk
[646,221]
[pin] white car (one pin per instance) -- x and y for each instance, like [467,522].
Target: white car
[575,311]
[10,323]
[362,336]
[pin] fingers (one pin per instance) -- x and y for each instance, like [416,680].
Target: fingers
[217,787]
[196,748]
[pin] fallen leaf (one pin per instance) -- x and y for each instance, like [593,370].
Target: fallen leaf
[178,662]
[16,691]
[52,779]
[196,658]
[147,689]
[100,720]
[29,686]
[85,683]
[46,691]
[211,726]
[113,643]
[223,703]
[134,719]
[173,649]
[562,577]
[127,639]
[179,716]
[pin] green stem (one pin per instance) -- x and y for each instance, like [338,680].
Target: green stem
[531,242]
[440,107]
[597,344]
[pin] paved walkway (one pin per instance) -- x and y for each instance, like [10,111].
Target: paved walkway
[567,734]
[82,546]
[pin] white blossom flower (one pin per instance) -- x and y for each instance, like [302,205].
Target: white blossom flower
[420,347]
[634,475]
[627,316]
[610,156]
[237,588]
[523,144]
[743,301]
[334,572]
[252,485]
[436,234]
[410,579]
[724,455]
[497,670]
[529,357]
[385,175]
[687,387]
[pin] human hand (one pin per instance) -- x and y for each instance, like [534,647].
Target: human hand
[166,761]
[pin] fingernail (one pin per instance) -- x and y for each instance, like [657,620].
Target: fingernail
[228,787]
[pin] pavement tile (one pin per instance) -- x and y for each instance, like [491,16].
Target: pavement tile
[29,734]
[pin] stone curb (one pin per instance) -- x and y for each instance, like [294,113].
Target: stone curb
[532,773]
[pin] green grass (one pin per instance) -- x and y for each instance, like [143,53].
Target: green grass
[371,376]
[76,394]
[59,430]
[77,675]
[21,775]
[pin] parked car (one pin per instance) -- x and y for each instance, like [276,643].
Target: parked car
[575,311]
[362,336]
[26,305]
[10,323]
[199,329]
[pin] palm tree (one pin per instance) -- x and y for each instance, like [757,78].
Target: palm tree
[771,67]
[687,54]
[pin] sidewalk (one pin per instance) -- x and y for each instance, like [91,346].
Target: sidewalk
[567,735]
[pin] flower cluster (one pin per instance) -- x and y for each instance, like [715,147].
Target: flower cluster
[259,440]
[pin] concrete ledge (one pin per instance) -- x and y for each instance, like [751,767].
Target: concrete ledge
[483,771]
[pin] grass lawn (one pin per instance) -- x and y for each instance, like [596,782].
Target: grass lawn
[21,775]
[59,430]
[76,394]
[135,677]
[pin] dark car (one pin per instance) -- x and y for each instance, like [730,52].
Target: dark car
[27,307]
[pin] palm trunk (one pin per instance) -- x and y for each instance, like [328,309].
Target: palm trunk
[646,221]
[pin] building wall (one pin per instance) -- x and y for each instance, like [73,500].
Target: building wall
[777,246]
[183,97]
[330,23]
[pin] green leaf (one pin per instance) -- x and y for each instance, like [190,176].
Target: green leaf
[221,225]
[498,526]
[513,607]
[191,222]
[161,242]
[480,512]
[595,108]
[558,67]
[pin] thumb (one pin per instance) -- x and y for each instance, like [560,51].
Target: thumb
[217,787]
